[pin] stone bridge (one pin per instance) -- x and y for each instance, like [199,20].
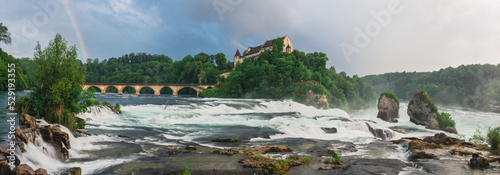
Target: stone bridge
[156,87]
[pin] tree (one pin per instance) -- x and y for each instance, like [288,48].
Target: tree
[58,79]
[220,60]
[278,45]
[5,34]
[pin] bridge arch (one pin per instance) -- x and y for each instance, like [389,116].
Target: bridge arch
[188,90]
[166,90]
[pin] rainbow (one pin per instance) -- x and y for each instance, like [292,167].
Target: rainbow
[76,28]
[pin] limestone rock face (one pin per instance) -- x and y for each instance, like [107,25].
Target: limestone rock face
[28,121]
[388,109]
[420,112]
[20,135]
[57,138]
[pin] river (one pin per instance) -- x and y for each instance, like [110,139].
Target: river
[147,125]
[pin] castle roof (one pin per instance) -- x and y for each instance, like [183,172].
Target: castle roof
[237,53]
[267,43]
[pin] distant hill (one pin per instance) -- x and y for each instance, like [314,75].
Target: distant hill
[470,86]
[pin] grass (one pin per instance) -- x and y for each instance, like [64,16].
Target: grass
[185,171]
[235,139]
[305,160]
[389,95]
[336,156]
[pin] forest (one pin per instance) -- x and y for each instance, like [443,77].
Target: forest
[466,85]
[277,74]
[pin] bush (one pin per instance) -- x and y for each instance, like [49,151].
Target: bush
[118,106]
[477,138]
[493,137]
[336,156]
[445,120]
[389,95]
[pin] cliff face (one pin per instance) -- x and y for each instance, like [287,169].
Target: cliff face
[388,109]
[317,100]
[420,113]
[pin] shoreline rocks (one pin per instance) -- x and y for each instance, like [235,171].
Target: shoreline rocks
[388,109]
[58,139]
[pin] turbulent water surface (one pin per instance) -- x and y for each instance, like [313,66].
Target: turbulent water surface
[150,123]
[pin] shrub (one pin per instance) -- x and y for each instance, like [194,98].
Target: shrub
[336,156]
[493,137]
[389,95]
[327,160]
[185,171]
[477,138]
[118,106]
[305,159]
[445,120]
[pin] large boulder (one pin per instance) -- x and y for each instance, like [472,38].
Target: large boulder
[388,109]
[23,169]
[4,167]
[441,138]
[41,171]
[20,135]
[422,111]
[57,138]
[27,121]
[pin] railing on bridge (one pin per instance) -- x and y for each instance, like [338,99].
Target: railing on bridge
[155,86]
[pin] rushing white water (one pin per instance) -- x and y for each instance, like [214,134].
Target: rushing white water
[200,120]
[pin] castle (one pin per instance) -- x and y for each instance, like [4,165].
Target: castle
[252,52]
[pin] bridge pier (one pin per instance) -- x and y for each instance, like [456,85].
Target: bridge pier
[174,93]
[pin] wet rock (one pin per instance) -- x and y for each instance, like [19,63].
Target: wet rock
[123,136]
[57,138]
[221,140]
[331,130]
[27,121]
[388,109]
[20,135]
[478,162]
[41,171]
[113,108]
[269,149]
[420,112]
[191,147]
[83,132]
[75,171]
[441,138]
[460,151]
[23,170]
[419,144]
[4,167]
[372,166]
[275,166]
[384,134]
[421,155]
[229,152]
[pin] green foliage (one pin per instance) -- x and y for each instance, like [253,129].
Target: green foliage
[477,138]
[305,160]
[11,65]
[426,99]
[336,156]
[390,95]
[5,34]
[327,160]
[235,139]
[293,75]
[465,85]
[185,171]
[445,120]
[118,106]
[493,137]
[58,78]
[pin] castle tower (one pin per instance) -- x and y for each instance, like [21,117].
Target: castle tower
[237,57]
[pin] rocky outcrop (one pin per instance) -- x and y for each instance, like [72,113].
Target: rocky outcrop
[20,135]
[423,112]
[58,139]
[41,171]
[331,130]
[478,162]
[388,109]
[27,121]
[441,138]
[384,134]
[113,108]
[23,169]
[269,149]
[317,100]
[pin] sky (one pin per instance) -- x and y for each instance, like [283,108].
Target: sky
[360,37]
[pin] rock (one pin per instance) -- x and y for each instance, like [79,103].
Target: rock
[191,147]
[419,144]
[113,108]
[30,133]
[58,139]
[331,130]
[75,171]
[478,162]
[41,171]
[388,109]
[269,149]
[441,138]
[420,112]
[319,101]
[372,166]
[5,168]
[460,151]
[380,133]
[421,155]
[27,121]
[20,135]
[221,140]
[123,136]
[23,170]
